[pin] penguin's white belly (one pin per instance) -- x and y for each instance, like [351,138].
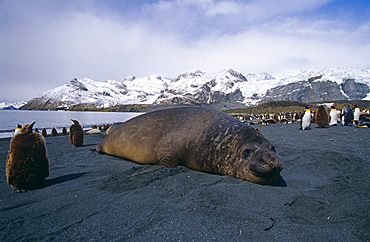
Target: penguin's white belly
[333,118]
[306,121]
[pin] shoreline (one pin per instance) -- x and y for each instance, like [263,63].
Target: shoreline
[90,196]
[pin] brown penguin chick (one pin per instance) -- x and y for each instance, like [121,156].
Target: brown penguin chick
[76,134]
[27,164]
[271,121]
[64,131]
[276,118]
[106,127]
[43,132]
[296,116]
[322,117]
[54,132]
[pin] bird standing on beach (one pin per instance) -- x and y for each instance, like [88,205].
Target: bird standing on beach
[18,129]
[356,114]
[64,131]
[347,116]
[54,132]
[76,134]
[27,164]
[333,116]
[322,117]
[306,118]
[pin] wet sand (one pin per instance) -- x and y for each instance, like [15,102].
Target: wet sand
[90,196]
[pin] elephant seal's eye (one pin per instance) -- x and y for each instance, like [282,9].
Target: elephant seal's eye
[247,152]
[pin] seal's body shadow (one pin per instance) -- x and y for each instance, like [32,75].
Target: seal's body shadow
[84,145]
[279,182]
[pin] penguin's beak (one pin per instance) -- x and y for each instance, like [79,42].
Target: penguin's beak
[31,125]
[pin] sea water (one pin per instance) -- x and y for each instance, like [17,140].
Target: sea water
[57,119]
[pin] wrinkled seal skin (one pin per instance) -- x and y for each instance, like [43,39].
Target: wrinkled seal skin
[199,138]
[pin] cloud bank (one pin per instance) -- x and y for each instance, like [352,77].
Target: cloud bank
[44,44]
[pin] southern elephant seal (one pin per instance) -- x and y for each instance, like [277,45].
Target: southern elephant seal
[199,138]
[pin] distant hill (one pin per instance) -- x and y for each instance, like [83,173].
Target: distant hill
[11,106]
[227,89]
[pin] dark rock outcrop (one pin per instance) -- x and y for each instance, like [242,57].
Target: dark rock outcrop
[354,90]
[314,90]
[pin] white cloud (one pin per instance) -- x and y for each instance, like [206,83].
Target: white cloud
[224,7]
[247,10]
[273,8]
[44,46]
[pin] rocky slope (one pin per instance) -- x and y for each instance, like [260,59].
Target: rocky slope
[223,90]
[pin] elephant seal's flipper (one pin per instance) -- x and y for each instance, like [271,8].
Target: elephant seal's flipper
[149,168]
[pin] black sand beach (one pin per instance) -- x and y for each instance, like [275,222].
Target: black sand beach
[90,196]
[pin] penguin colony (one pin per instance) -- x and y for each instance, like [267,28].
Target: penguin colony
[323,117]
[27,163]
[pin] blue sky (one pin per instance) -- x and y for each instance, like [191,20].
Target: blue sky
[44,44]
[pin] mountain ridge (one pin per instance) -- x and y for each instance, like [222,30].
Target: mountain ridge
[222,90]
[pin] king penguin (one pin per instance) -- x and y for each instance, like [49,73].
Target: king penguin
[64,131]
[347,117]
[54,132]
[356,114]
[322,117]
[76,134]
[333,116]
[17,130]
[306,118]
[27,163]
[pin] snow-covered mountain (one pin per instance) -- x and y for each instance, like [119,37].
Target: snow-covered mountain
[11,106]
[321,85]
[222,90]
